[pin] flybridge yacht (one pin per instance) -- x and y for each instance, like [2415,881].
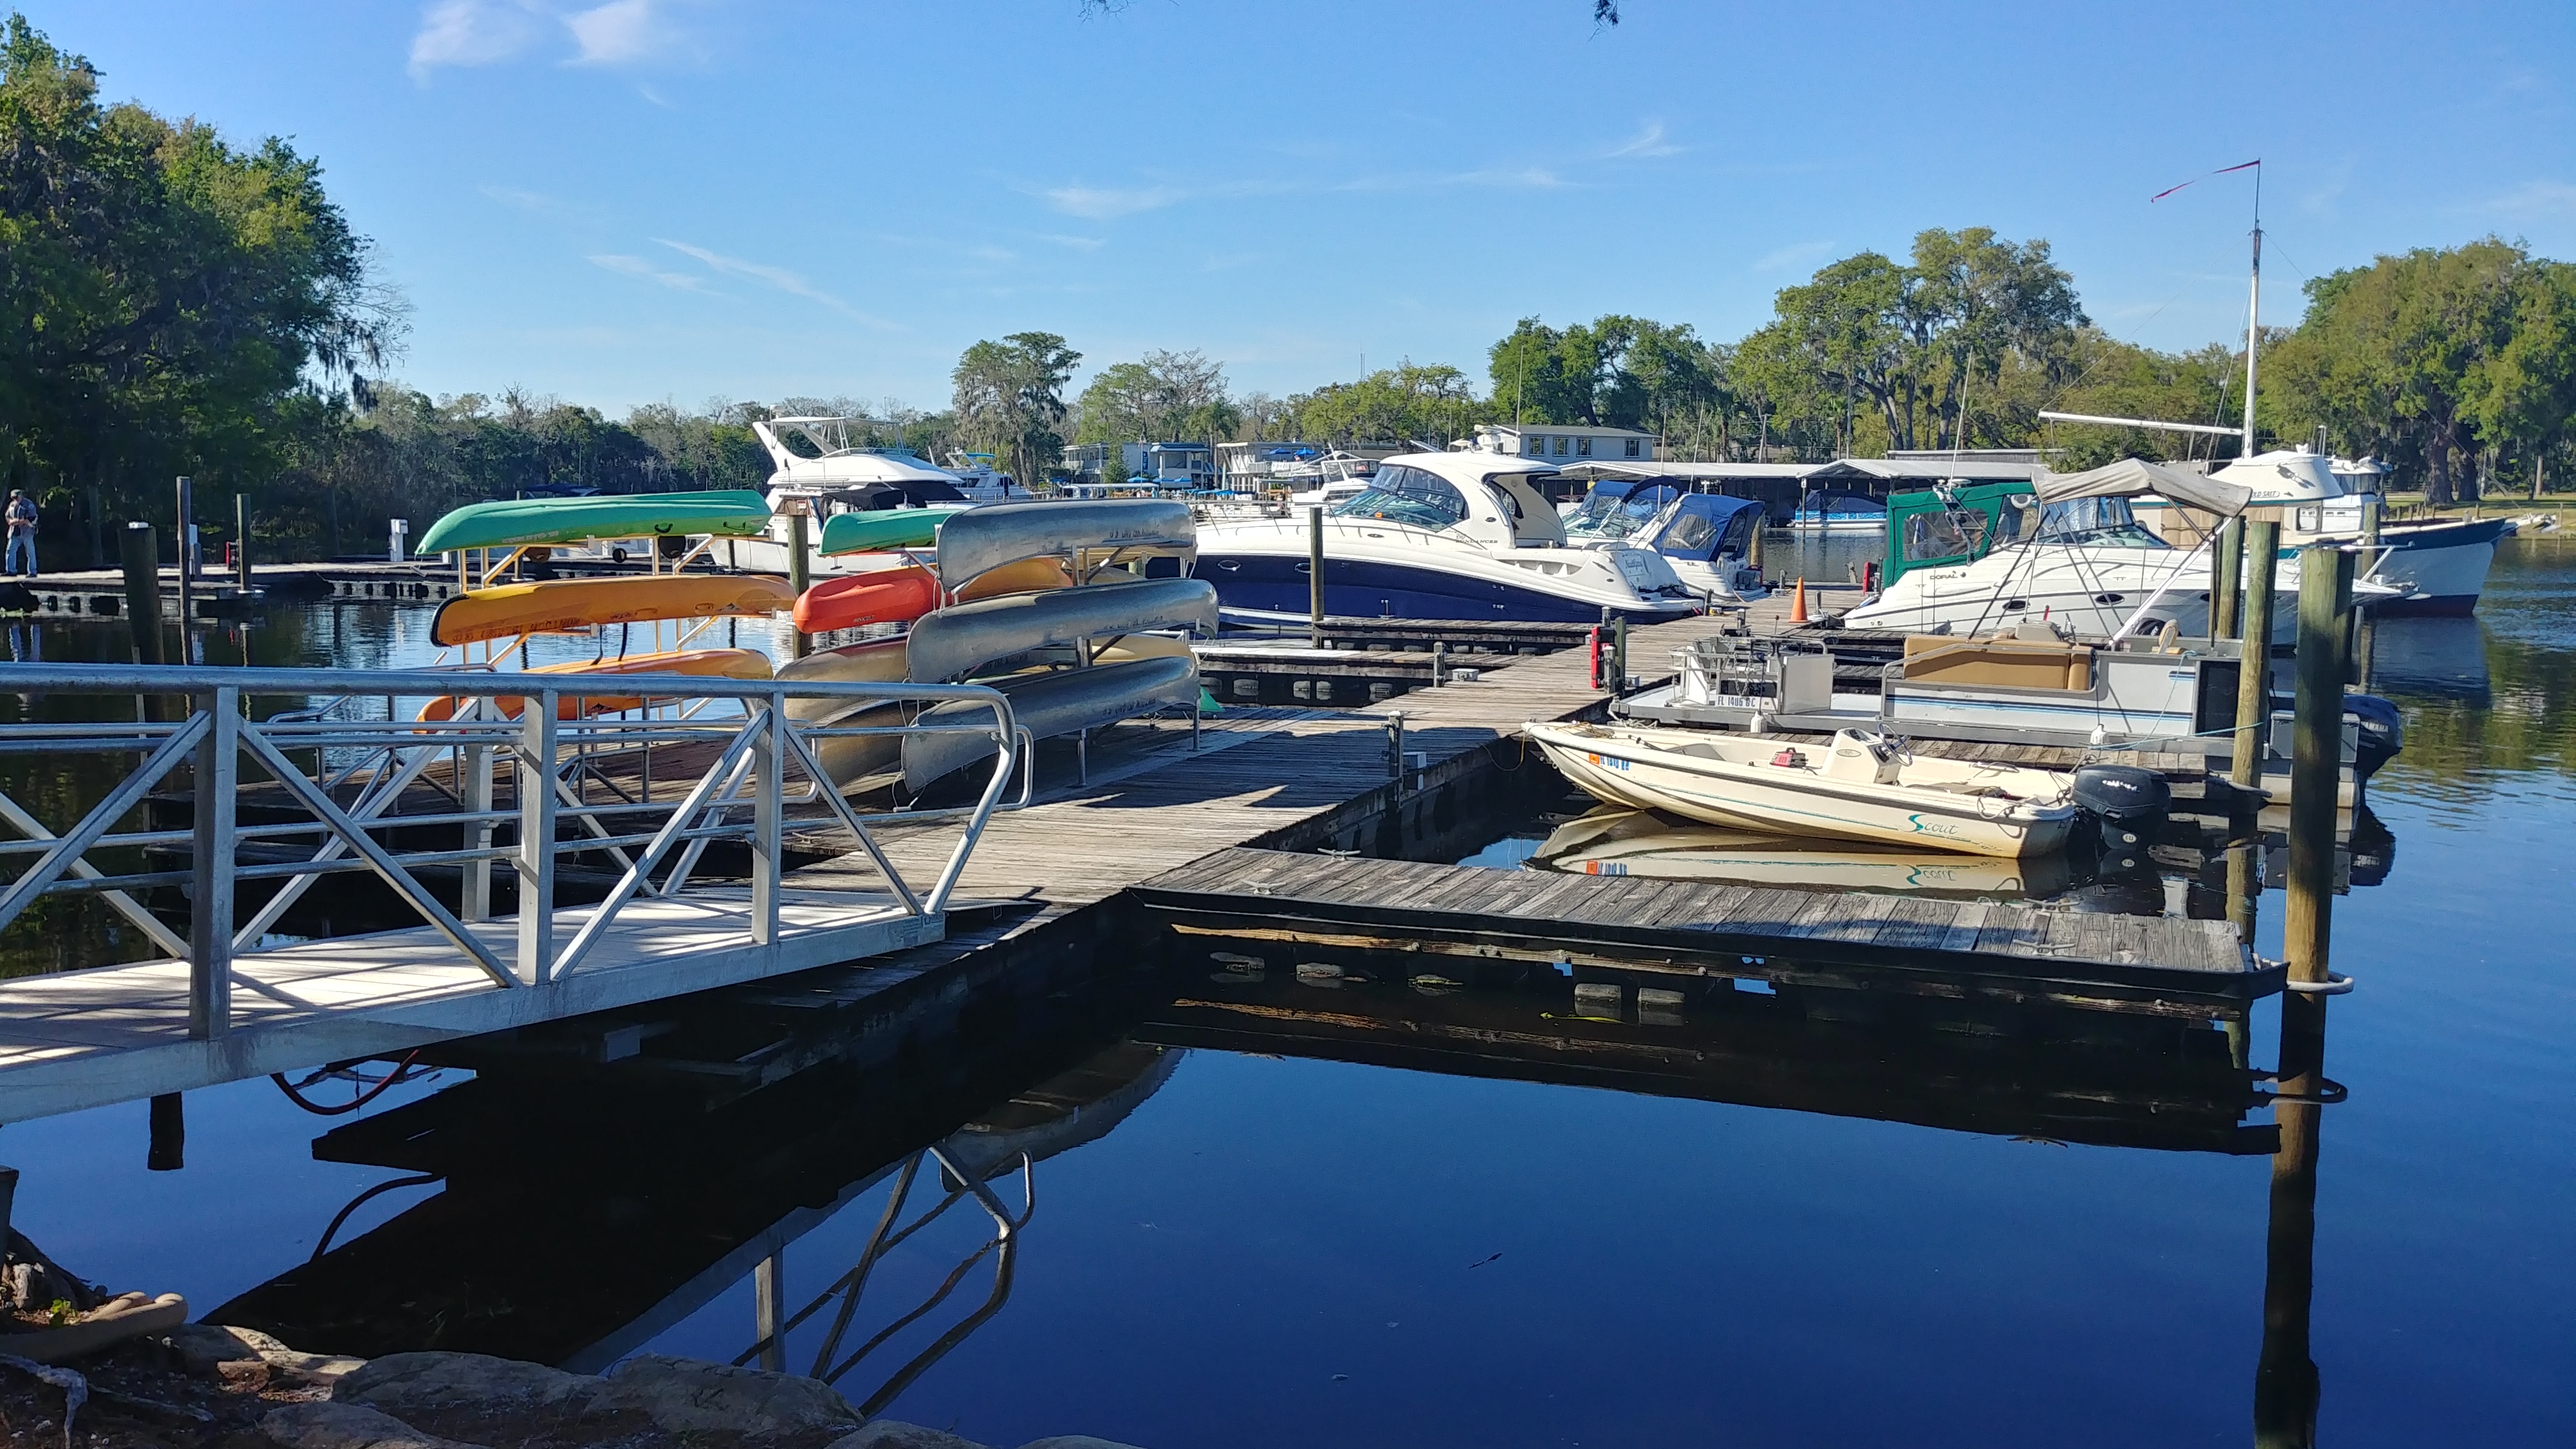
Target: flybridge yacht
[830,474]
[2071,556]
[1456,535]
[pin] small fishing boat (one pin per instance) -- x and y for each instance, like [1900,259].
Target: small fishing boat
[955,642]
[1613,841]
[563,606]
[697,663]
[1858,787]
[890,528]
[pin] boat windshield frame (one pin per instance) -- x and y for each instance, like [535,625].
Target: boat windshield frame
[1621,517]
[1414,497]
[2093,523]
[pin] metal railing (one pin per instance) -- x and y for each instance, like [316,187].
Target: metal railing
[362,777]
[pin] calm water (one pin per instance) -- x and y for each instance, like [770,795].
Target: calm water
[1267,1246]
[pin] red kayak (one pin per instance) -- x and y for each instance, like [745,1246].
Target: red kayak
[880,596]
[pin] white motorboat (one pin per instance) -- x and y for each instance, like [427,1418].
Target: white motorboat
[1858,787]
[1617,841]
[1707,538]
[2073,558]
[2438,567]
[1455,535]
[818,470]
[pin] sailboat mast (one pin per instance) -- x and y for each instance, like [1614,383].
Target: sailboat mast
[2253,314]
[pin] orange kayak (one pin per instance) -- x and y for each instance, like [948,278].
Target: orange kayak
[704,663]
[561,606]
[879,596]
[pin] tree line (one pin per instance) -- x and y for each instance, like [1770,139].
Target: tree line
[176,304]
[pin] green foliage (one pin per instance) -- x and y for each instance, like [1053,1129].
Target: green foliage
[171,302]
[1872,354]
[1393,408]
[1167,397]
[2451,355]
[1010,398]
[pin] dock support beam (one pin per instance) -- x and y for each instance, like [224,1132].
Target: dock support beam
[532,776]
[210,914]
[241,540]
[2227,580]
[768,1291]
[474,900]
[768,813]
[2254,660]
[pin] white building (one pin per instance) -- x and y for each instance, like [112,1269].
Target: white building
[1567,443]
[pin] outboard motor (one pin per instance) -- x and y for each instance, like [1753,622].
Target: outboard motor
[2127,803]
[2381,735]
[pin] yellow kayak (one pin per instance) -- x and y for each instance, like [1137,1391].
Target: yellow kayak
[563,606]
[703,663]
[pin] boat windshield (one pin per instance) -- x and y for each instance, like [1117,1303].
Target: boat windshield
[1400,494]
[1606,517]
[2094,523]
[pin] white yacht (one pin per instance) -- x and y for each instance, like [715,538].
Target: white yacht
[830,474]
[2074,558]
[1454,535]
[1706,537]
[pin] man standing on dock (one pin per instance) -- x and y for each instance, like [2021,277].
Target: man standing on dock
[22,535]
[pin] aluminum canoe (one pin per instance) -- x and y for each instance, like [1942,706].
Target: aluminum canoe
[850,757]
[1051,704]
[532,522]
[953,642]
[986,538]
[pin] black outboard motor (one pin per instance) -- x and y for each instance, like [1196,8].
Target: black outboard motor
[2381,735]
[2128,804]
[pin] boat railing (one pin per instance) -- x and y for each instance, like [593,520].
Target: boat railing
[271,803]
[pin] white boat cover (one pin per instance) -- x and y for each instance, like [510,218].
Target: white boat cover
[2133,477]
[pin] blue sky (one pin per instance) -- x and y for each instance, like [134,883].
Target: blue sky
[649,200]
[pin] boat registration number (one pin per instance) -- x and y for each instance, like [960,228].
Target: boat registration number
[1607,762]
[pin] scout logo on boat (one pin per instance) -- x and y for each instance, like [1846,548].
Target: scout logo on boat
[1933,827]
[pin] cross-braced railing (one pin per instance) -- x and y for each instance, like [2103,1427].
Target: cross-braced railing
[581,778]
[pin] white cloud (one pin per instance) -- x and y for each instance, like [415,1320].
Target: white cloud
[470,32]
[1094,203]
[617,33]
[1647,142]
[626,266]
[792,283]
[2534,198]
[1078,243]
[1794,254]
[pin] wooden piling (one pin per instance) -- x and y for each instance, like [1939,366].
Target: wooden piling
[241,541]
[800,571]
[2254,669]
[2226,579]
[2285,1374]
[140,552]
[2325,581]
[187,510]
[168,1148]
[1315,576]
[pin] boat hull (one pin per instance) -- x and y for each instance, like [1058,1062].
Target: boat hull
[2443,568]
[881,529]
[1617,769]
[851,601]
[1271,588]
[850,757]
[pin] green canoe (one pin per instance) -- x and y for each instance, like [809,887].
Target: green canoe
[520,522]
[884,528]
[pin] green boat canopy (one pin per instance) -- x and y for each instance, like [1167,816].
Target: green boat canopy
[529,522]
[884,528]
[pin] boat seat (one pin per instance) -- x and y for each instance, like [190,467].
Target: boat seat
[2016,663]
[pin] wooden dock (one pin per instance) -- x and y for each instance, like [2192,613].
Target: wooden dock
[2159,964]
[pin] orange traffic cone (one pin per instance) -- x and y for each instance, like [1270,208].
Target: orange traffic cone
[1798,603]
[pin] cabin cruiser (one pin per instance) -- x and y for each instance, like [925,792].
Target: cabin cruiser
[1706,537]
[2070,557]
[1455,535]
[2440,567]
[828,475]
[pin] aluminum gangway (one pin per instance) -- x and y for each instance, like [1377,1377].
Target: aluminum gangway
[351,770]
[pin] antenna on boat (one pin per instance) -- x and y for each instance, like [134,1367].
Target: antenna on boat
[2254,299]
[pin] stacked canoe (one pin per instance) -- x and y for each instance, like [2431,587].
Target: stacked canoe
[1042,601]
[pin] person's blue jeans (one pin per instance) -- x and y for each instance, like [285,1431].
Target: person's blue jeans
[21,546]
